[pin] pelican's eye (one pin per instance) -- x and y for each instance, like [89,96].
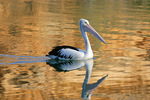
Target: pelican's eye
[86,23]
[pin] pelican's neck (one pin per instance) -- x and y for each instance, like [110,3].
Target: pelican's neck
[88,49]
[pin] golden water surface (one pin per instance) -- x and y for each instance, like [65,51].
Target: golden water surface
[29,29]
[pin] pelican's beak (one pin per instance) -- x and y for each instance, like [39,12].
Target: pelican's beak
[90,29]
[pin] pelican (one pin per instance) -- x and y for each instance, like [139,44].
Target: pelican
[72,53]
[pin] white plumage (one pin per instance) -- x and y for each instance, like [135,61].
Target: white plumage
[67,54]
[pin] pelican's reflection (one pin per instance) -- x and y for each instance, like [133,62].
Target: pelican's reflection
[65,65]
[87,89]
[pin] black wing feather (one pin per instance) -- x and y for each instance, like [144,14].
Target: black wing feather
[56,50]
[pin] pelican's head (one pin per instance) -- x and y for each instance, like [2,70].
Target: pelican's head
[88,28]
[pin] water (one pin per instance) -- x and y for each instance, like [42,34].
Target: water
[29,29]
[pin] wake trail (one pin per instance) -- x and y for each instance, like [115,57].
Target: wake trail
[13,59]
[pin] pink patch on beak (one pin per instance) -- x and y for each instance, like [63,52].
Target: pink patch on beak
[90,29]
